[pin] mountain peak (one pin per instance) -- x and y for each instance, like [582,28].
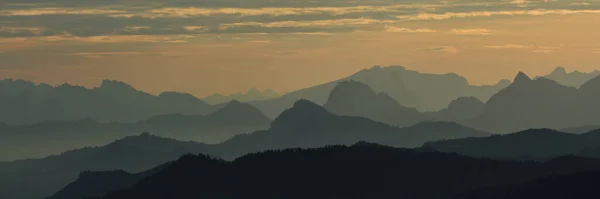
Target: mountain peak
[305,104]
[558,71]
[521,77]
[297,116]
[253,91]
[115,84]
[503,82]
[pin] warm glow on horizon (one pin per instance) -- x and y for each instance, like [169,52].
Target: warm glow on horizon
[230,47]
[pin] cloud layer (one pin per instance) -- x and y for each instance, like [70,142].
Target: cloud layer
[43,18]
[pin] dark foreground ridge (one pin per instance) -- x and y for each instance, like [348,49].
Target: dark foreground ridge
[362,170]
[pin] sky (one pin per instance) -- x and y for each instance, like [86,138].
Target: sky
[226,46]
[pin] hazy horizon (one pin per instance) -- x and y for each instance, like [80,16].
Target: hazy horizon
[243,92]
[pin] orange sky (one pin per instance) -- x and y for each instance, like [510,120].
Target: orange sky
[483,45]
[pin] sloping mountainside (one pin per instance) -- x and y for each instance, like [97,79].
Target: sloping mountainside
[352,98]
[540,103]
[98,183]
[582,185]
[51,137]
[572,79]
[581,129]
[359,171]
[310,125]
[39,178]
[252,95]
[529,144]
[24,102]
[425,92]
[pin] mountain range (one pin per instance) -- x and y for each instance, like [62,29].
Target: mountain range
[51,137]
[251,95]
[532,144]
[425,92]
[362,170]
[24,102]
[352,98]
[309,125]
[39,178]
[539,103]
[572,79]
[306,125]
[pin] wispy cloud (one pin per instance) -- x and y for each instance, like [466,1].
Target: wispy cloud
[59,11]
[533,48]
[445,49]
[99,39]
[130,53]
[471,31]
[135,28]
[188,12]
[260,41]
[510,46]
[451,15]
[408,30]
[580,4]
[317,23]
[195,28]
[17,30]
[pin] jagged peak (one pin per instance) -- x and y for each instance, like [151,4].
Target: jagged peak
[559,71]
[521,77]
[503,82]
[107,83]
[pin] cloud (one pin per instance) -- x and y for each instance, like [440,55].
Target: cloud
[196,28]
[59,11]
[451,15]
[260,41]
[105,54]
[19,30]
[317,23]
[408,30]
[446,49]
[533,48]
[188,12]
[580,4]
[312,33]
[471,31]
[510,46]
[64,37]
[135,28]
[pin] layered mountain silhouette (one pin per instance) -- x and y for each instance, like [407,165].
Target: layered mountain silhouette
[530,144]
[24,102]
[252,95]
[306,125]
[539,103]
[572,79]
[39,178]
[425,92]
[362,170]
[352,98]
[51,137]
[310,125]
